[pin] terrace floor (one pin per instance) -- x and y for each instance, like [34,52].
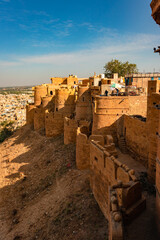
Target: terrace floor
[144,227]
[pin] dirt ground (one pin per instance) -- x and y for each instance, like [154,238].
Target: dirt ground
[42,194]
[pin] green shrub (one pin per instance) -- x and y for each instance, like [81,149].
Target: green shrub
[6,130]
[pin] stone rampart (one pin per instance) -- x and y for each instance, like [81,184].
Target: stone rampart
[83,104]
[70,129]
[136,139]
[39,92]
[107,171]
[109,110]
[82,150]
[152,126]
[83,146]
[158,176]
[30,114]
[39,118]
[54,123]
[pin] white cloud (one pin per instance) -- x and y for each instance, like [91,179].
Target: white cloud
[37,69]
[96,51]
[9,64]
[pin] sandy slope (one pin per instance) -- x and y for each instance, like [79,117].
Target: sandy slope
[42,194]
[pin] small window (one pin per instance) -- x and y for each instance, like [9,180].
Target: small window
[56,109]
[95,158]
[83,99]
[74,82]
[51,93]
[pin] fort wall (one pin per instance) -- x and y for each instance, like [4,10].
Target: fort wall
[39,92]
[51,89]
[114,217]
[83,104]
[54,123]
[109,110]
[138,105]
[107,171]
[64,107]
[30,114]
[152,126]
[65,100]
[83,146]
[72,80]
[82,150]
[48,102]
[136,139]
[57,80]
[158,176]
[39,118]
[70,129]
[59,110]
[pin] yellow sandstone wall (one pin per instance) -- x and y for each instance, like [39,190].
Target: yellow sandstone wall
[83,104]
[158,177]
[107,171]
[109,110]
[82,150]
[39,118]
[48,102]
[65,100]
[135,134]
[138,105]
[70,129]
[54,124]
[152,126]
[30,113]
[72,80]
[57,80]
[39,92]
[64,107]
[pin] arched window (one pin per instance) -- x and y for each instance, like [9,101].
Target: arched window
[51,93]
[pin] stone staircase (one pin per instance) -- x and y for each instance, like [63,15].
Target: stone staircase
[122,144]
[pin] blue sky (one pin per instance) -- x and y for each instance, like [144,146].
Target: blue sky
[42,39]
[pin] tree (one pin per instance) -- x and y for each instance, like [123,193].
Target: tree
[122,68]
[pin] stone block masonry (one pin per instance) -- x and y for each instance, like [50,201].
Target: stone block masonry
[152,126]
[136,138]
[96,124]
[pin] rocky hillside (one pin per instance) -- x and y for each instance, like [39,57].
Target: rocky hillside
[42,194]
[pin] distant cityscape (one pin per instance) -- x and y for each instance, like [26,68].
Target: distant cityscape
[13,103]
